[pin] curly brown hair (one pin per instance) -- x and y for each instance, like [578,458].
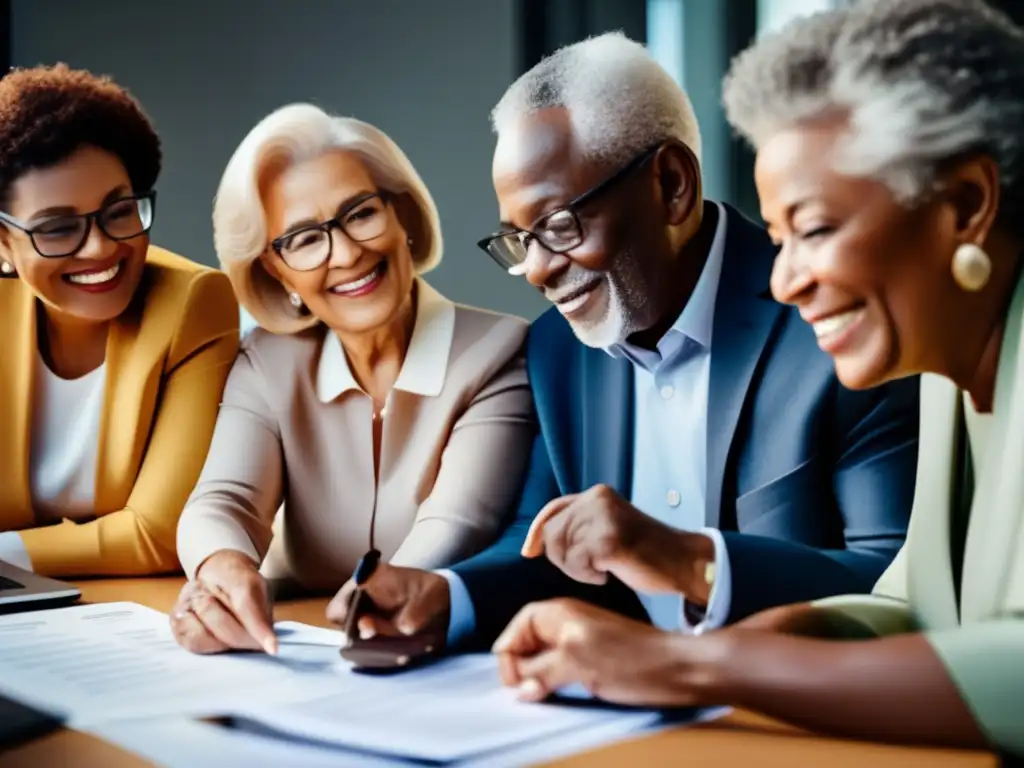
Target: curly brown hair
[46,113]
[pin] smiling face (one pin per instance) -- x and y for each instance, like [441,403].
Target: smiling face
[365,282]
[870,274]
[96,283]
[607,286]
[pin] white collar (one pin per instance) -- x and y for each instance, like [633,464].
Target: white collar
[426,360]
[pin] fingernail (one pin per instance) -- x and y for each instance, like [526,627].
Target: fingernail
[530,690]
[366,633]
[407,629]
[270,646]
[500,645]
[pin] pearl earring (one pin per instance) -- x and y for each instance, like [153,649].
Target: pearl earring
[971,267]
[409,242]
[6,267]
[295,300]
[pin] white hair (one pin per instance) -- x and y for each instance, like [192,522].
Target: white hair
[920,82]
[619,99]
[296,133]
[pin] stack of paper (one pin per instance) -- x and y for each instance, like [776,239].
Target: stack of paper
[103,665]
[119,660]
[182,743]
[448,712]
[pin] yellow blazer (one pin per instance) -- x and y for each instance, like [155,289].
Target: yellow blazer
[981,640]
[168,357]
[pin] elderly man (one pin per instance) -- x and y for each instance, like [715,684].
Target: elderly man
[697,459]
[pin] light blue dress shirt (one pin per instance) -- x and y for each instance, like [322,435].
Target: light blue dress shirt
[669,448]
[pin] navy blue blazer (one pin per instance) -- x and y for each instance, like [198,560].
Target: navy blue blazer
[810,483]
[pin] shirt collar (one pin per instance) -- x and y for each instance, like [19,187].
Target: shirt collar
[426,360]
[696,320]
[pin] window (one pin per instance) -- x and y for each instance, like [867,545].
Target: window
[665,36]
[772,14]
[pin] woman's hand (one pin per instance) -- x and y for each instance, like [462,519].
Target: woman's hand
[226,607]
[557,643]
[807,620]
[786,619]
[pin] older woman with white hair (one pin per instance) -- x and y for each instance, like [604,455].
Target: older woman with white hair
[890,168]
[376,414]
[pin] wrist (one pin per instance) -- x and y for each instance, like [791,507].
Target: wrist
[703,668]
[226,558]
[695,567]
[439,597]
[755,669]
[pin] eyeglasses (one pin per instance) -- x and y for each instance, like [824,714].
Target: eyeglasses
[64,235]
[307,248]
[559,230]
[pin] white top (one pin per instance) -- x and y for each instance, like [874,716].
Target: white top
[65,439]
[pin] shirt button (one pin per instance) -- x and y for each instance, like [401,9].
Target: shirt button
[667,392]
[673,498]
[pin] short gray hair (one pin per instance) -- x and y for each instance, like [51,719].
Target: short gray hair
[620,100]
[295,133]
[922,82]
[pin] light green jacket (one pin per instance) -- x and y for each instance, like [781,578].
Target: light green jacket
[982,644]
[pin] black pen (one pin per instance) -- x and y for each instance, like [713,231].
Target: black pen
[364,570]
[368,563]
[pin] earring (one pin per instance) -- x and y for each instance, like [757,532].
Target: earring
[6,267]
[971,267]
[295,300]
[409,242]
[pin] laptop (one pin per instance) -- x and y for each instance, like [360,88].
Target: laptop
[22,590]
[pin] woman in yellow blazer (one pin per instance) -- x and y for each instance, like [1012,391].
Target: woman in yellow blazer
[890,169]
[115,352]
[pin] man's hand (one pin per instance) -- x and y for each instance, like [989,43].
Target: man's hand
[596,533]
[226,606]
[406,601]
[557,643]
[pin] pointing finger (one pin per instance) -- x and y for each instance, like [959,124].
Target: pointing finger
[534,544]
[251,605]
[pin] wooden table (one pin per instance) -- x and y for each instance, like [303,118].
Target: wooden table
[741,738]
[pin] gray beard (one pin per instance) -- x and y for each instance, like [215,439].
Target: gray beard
[627,300]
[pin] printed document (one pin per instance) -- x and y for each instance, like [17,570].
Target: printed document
[102,666]
[113,661]
[179,743]
[451,711]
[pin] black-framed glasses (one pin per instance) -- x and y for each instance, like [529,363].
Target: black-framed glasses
[559,230]
[308,247]
[56,237]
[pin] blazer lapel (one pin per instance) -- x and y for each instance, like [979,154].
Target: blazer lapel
[607,434]
[745,315]
[133,364]
[930,571]
[995,534]
[18,308]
